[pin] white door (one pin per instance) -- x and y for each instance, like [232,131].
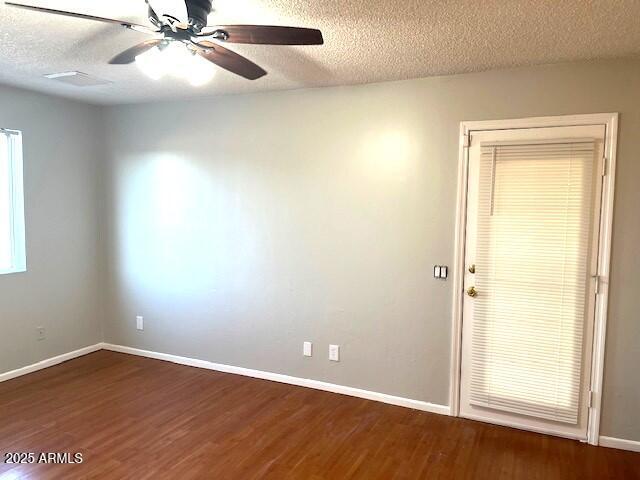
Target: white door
[533,210]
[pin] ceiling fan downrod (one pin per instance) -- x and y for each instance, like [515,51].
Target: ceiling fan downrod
[198,11]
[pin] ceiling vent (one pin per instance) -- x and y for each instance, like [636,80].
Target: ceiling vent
[77,79]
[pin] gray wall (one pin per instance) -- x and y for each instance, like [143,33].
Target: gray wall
[61,288]
[242,226]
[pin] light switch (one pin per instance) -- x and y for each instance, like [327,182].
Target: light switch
[440,272]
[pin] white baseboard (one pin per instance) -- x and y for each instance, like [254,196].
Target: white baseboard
[277,377]
[622,444]
[50,362]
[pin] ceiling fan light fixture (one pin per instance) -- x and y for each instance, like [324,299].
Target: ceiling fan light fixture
[176,60]
[151,63]
[201,72]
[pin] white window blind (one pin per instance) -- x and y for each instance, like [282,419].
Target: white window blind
[12,244]
[533,249]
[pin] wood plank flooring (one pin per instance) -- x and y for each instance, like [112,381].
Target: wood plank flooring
[137,418]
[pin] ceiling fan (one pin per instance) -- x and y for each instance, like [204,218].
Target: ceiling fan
[180,28]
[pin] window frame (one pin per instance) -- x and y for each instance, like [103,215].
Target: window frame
[16,205]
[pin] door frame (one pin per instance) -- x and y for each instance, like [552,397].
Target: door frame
[610,121]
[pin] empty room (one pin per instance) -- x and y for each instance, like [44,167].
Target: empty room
[277,239]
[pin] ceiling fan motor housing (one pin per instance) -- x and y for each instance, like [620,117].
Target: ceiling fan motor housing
[198,11]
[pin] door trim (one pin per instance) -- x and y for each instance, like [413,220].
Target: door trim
[610,120]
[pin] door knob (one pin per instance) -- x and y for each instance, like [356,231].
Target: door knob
[472,292]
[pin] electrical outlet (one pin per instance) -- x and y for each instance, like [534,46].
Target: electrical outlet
[42,333]
[334,353]
[307,349]
[139,323]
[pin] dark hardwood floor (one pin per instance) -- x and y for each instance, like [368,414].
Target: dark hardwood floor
[138,418]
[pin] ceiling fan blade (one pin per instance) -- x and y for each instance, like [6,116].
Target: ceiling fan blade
[123,23]
[270,35]
[231,61]
[129,55]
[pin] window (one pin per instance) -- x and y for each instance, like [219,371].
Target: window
[12,244]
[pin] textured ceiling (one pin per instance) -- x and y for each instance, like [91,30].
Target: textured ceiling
[365,41]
